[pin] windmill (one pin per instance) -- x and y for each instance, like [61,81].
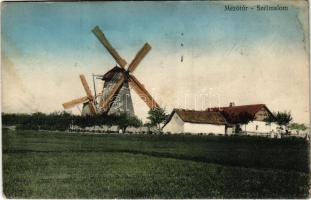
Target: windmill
[89,100]
[116,93]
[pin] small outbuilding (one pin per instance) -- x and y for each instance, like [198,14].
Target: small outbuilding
[195,122]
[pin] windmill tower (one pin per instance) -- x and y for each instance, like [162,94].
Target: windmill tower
[116,96]
[123,101]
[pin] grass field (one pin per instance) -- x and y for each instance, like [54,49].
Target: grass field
[62,165]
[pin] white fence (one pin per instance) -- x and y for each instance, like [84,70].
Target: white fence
[112,129]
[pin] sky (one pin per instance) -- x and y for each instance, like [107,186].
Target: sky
[242,57]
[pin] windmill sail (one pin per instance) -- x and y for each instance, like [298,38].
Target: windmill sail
[116,96]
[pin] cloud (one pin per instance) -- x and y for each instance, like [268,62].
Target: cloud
[16,97]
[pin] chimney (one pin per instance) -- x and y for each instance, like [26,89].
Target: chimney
[231,104]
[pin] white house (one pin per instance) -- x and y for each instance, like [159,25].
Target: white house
[256,127]
[191,121]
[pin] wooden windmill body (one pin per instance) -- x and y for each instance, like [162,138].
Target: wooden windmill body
[116,96]
[123,100]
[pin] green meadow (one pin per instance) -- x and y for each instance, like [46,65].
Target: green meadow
[71,165]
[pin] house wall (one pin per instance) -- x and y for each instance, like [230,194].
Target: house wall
[175,125]
[260,127]
[230,130]
[203,128]
[262,114]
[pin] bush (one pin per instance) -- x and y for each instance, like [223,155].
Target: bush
[62,120]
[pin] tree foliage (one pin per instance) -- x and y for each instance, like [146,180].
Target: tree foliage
[245,117]
[125,120]
[241,118]
[63,120]
[270,119]
[297,126]
[283,118]
[156,116]
[38,120]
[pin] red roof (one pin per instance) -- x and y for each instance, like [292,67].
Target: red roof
[200,117]
[232,112]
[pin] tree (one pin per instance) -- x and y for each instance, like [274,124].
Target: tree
[125,120]
[270,119]
[296,126]
[245,118]
[283,118]
[156,117]
[62,120]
